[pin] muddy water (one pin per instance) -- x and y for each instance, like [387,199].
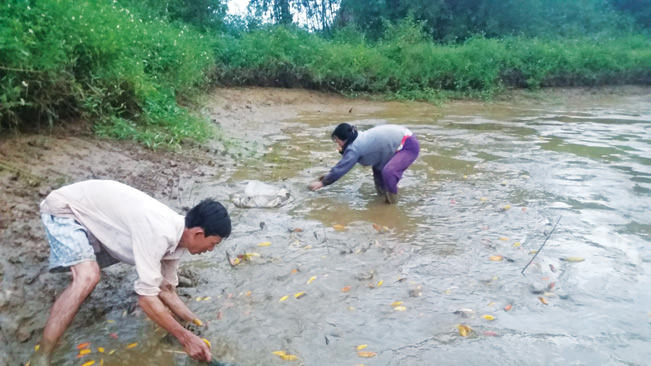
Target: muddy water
[492,179]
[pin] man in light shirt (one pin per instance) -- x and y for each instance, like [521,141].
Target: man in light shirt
[96,223]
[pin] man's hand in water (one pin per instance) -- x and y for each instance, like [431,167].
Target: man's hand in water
[195,347]
[315,185]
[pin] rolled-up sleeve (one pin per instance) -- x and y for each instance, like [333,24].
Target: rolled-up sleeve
[169,270]
[148,251]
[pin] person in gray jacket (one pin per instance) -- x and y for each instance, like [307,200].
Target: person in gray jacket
[389,149]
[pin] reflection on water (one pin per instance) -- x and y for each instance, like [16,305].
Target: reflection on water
[491,180]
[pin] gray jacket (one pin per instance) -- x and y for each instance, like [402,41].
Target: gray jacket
[374,147]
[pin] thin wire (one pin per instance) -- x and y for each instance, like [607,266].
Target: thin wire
[543,244]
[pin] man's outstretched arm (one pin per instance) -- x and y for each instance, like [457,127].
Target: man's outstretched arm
[158,312]
[171,299]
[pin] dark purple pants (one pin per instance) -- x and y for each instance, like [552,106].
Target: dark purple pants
[393,170]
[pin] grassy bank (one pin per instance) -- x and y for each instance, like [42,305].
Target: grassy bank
[102,63]
[130,71]
[411,67]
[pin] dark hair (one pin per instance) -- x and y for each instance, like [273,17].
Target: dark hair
[345,132]
[211,216]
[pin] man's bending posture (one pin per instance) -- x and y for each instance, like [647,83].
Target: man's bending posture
[96,223]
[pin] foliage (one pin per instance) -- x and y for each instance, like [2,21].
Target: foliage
[405,65]
[457,20]
[126,64]
[103,63]
[202,14]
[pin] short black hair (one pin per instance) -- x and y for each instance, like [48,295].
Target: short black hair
[343,132]
[211,216]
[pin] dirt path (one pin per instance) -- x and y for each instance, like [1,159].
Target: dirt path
[32,164]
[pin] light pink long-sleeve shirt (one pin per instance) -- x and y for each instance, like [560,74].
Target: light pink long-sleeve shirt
[129,224]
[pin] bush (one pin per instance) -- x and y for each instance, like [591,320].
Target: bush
[405,64]
[103,63]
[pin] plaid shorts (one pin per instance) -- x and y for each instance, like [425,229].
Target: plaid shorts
[69,244]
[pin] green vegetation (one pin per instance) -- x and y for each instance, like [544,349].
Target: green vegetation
[104,63]
[405,65]
[133,68]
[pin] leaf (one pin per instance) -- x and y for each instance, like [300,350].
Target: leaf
[206,298]
[311,279]
[248,293]
[507,307]
[197,322]
[279,353]
[283,298]
[82,345]
[207,342]
[400,308]
[345,289]
[464,330]
[298,295]
[111,352]
[573,259]
[100,349]
[380,283]
[496,258]
[83,352]
[361,347]
[488,317]
[248,256]
[37,347]
[132,345]
[339,227]
[542,299]
[294,271]
[366,354]
[396,303]
[504,239]
[264,244]
[506,207]
[91,362]
[289,357]
[516,244]
[297,230]
[380,229]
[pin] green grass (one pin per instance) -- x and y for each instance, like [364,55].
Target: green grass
[420,69]
[103,63]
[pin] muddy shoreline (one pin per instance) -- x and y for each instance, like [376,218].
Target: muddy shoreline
[32,164]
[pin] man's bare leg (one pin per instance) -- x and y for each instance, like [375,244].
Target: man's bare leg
[85,276]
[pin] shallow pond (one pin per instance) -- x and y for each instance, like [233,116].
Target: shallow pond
[492,180]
